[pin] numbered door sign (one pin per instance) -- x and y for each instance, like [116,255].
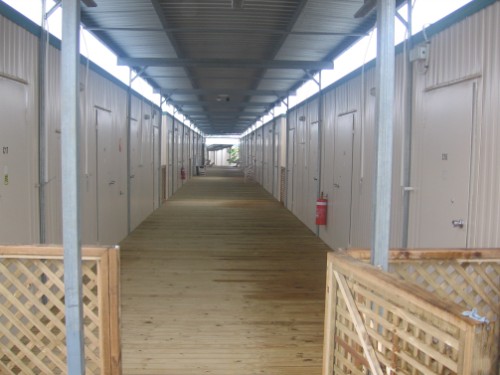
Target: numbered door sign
[5,175]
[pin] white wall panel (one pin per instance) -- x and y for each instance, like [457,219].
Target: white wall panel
[303,159]
[142,168]
[104,131]
[279,156]
[259,155]
[469,51]
[267,156]
[19,62]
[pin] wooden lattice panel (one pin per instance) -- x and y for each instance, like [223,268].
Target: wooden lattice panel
[471,285]
[32,313]
[469,278]
[377,324]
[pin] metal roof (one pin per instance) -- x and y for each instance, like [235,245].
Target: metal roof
[225,63]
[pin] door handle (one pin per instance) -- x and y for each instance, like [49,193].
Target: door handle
[459,223]
[112,182]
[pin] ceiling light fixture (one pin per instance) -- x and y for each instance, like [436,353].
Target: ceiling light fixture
[237,4]
[223,98]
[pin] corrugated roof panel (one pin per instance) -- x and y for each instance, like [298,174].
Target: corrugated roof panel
[229,31]
[142,43]
[297,47]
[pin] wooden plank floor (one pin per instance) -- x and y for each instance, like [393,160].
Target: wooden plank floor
[222,280]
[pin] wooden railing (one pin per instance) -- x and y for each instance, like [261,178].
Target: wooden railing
[411,321]
[32,311]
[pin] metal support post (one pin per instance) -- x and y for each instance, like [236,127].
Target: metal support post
[320,141]
[407,139]
[174,167]
[129,158]
[42,131]
[384,134]
[160,135]
[287,146]
[70,119]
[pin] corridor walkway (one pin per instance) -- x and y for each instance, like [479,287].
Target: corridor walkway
[222,280]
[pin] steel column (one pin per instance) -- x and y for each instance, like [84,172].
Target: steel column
[129,157]
[42,132]
[384,134]
[320,142]
[70,120]
[407,131]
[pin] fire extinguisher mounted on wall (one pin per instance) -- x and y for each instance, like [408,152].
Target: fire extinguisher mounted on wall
[321,209]
[183,173]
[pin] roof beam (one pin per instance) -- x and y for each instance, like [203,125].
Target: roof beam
[219,91]
[222,104]
[197,30]
[231,78]
[226,63]
[223,117]
[240,113]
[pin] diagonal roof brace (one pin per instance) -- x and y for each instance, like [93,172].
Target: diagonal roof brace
[367,7]
[226,63]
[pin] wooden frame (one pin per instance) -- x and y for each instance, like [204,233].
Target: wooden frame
[32,310]
[405,328]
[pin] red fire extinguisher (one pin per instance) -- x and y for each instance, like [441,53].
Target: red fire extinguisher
[321,209]
[183,173]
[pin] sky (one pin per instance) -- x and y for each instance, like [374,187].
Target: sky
[425,12]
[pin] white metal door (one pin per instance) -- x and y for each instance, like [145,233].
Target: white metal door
[267,158]
[135,173]
[312,175]
[342,182]
[156,167]
[290,169]
[276,161]
[171,158]
[111,198]
[441,199]
[15,188]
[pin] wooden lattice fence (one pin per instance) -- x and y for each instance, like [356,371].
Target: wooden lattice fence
[410,321]
[32,311]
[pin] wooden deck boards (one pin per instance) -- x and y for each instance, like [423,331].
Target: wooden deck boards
[222,280]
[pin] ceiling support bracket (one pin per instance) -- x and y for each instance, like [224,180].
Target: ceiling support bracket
[313,78]
[139,74]
[53,9]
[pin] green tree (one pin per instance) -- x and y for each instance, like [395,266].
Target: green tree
[234,155]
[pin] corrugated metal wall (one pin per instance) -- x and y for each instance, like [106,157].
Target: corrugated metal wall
[268,156]
[18,162]
[219,157]
[469,52]
[465,53]
[105,177]
[264,148]
[303,161]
